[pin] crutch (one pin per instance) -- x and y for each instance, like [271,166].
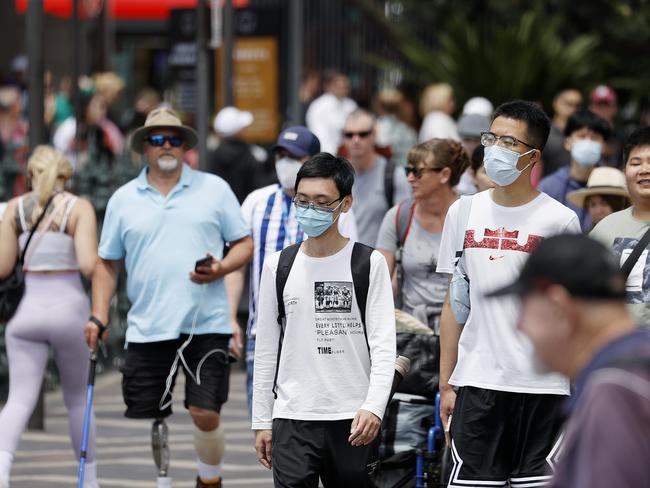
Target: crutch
[89,406]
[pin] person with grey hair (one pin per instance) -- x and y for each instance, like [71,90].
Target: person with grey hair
[375,176]
[169,227]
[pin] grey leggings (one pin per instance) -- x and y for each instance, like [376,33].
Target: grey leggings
[53,312]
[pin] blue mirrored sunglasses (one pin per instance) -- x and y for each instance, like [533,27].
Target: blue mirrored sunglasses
[158,140]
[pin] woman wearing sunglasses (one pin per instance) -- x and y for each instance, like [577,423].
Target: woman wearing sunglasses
[410,233]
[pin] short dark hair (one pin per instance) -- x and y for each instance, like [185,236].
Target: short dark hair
[537,122]
[640,137]
[477,157]
[330,74]
[324,165]
[586,119]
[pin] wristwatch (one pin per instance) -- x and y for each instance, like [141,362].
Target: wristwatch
[100,325]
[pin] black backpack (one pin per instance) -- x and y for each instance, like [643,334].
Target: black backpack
[360,264]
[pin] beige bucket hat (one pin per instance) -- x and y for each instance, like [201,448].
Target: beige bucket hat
[163,118]
[602,181]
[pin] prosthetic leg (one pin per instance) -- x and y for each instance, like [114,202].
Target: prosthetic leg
[160,449]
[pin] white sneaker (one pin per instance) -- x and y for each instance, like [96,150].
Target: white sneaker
[163,482]
[87,484]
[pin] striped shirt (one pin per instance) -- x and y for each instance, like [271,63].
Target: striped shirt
[271,217]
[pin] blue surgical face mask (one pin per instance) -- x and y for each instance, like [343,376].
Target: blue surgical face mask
[501,164]
[315,221]
[586,152]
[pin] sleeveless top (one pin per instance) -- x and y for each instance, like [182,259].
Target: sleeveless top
[49,250]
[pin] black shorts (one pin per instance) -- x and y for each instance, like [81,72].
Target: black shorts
[499,436]
[306,450]
[148,365]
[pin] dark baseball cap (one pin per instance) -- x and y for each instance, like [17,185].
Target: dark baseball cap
[298,140]
[583,266]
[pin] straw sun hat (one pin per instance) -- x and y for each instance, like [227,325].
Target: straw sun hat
[163,118]
[602,181]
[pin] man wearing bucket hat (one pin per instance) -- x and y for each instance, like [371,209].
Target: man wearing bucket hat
[159,225]
[604,194]
[629,229]
[271,217]
[573,311]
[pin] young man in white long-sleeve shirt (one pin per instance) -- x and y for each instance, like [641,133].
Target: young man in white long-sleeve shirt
[333,379]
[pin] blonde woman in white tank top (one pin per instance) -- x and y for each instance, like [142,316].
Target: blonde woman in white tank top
[54,308]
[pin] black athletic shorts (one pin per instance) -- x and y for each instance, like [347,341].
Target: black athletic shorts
[500,437]
[306,450]
[148,365]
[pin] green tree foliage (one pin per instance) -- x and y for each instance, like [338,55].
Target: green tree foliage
[505,49]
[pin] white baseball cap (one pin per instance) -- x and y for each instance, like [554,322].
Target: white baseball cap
[230,120]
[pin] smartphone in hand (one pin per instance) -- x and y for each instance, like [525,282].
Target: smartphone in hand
[206,261]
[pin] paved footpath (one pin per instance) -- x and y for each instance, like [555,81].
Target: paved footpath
[45,459]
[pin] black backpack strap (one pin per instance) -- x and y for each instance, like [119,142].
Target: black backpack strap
[287,257]
[635,254]
[403,221]
[389,182]
[360,265]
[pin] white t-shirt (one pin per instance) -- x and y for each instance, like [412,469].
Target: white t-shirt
[492,353]
[326,117]
[325,370]
[271,216]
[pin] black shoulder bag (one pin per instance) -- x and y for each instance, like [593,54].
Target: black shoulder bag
[635,254]
[12,288]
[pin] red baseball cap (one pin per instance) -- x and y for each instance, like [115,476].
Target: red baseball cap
[603,94]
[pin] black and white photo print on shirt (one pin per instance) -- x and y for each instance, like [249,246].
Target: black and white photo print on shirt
[333,296]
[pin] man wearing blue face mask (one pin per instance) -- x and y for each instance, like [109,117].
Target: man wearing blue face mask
[505,411]
[585,134]
[323,361]
[272,219]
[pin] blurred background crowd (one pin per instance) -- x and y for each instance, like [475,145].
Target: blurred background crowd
[420,70]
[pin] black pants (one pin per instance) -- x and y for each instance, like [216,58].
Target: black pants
[306,450]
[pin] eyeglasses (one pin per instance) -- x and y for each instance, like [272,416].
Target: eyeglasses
[303,203]
[362,134]
[490,139]
[158,140]
[417,172]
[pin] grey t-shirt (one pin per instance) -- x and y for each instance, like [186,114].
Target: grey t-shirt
[423,290]
[370,204]
[621,231]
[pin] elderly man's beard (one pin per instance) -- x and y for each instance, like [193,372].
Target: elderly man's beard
[167,163]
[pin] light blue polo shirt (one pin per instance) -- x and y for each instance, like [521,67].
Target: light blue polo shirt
[160,239]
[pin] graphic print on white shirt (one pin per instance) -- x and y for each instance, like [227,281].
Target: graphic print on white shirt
[492,353]
[333,296]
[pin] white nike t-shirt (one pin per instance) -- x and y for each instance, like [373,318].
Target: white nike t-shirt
[492,353]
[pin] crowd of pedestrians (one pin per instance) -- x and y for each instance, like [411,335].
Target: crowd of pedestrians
[320,342]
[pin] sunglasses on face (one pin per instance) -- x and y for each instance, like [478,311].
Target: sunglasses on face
[418,172]
[362,134]
[158,140]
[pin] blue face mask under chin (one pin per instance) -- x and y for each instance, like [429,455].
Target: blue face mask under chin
[314,221]
[501,164]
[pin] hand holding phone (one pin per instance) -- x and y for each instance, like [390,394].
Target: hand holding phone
[206,261]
